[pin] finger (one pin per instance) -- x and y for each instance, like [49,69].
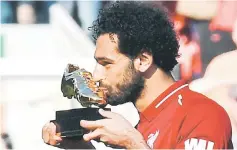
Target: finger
[57,138]
[104,139]
[93,135]
[45,133]
[46,137]
[92,125]
[52,127]
[54,137]
[108,114]
[45,126]
[53,142]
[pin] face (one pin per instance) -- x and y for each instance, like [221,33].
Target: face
[116,72]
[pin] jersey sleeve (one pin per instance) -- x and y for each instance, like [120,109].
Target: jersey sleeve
[205,128]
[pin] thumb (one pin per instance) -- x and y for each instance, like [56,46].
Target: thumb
[57,138]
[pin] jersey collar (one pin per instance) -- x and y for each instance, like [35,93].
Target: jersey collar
[162,101]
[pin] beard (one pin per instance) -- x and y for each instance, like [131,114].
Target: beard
[128,89]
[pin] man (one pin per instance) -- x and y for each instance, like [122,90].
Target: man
[220,84]
[136,49]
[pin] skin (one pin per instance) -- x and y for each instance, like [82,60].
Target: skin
[110,66]
[234,33]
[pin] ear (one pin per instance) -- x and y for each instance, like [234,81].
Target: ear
[143,61]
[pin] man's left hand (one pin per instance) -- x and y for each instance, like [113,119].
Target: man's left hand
[114,130]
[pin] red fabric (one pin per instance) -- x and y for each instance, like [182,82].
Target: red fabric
[185,117]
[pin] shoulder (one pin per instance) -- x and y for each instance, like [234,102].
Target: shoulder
[202,107]
[202,118]
[199,110]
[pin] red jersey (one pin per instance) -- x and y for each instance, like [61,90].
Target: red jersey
[183,119]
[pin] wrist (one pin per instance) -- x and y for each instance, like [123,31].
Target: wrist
[136,141]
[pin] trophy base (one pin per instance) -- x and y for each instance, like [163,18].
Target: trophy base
[68,121]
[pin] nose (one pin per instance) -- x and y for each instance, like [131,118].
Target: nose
[98,73]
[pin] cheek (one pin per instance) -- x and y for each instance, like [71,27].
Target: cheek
[114,77]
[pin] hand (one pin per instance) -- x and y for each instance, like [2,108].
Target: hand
[114,130]
[50,137]
[49,134]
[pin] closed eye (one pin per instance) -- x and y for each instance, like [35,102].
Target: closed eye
[104,61]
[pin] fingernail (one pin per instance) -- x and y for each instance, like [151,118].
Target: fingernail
[57,138]
[83,122]
[85,137]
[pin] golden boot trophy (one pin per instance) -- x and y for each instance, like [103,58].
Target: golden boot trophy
[78,83]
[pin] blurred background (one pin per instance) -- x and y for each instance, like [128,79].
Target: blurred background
[39,38]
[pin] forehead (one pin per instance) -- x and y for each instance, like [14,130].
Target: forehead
[107,46]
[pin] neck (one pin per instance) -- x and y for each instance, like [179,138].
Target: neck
[156,84]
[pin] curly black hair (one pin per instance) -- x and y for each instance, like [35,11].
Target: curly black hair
[140,28]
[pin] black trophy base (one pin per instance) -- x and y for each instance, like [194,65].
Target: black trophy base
[68,121]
